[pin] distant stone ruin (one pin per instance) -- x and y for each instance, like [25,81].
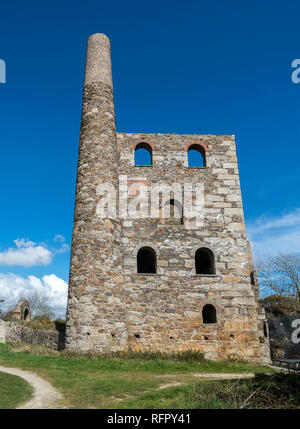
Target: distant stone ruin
[21,311]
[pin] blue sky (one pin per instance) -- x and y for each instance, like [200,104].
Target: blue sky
[180,67]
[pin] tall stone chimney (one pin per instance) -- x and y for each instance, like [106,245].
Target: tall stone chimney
[95,314]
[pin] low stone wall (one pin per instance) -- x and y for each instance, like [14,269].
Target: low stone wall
[13,332]
[2,331]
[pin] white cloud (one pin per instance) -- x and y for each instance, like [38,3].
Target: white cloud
[271,235]
[56,289]
[264,223]
[26,254]
[22,242]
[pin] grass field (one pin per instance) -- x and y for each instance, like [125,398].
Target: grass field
[262,392]
[13,391]
[135,383]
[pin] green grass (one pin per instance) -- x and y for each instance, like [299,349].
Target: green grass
[102,383]
[13,391]
[264,391]
[179,397]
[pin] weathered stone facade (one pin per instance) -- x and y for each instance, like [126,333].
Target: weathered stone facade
[110,305]
[21,311]
[2,331]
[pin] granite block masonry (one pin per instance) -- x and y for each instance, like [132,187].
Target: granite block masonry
[113,304]
[13,332]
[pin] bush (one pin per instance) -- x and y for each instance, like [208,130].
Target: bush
[281,305]
[235,358]
[39,322]
[9,316]
[263,391]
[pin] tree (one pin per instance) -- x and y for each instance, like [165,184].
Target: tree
[279,276]
[38,303]
[276,304]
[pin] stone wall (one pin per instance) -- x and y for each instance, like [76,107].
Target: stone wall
[12,332]
[165,309]
[2,331]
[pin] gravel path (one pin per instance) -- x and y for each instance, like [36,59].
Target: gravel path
[223,376]
[45,396]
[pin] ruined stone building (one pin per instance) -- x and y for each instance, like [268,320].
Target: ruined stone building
[21,311]
[158,283]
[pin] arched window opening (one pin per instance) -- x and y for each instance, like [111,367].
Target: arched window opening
[196,156]
[252,278]
[143,154]
[204,261]
[176,210]
[209,314]
[146,261]
[26,312]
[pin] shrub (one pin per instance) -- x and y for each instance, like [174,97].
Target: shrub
[262,391]
[276,305]
[9,316]
[235,358]
[40,323]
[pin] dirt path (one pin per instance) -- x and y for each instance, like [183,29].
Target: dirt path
[223,376]
[45,396]
[212,376]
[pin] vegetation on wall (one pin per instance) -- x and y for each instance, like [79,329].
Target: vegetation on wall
[39,323]
[276,305]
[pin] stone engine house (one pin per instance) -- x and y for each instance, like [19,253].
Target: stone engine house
[158,283]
